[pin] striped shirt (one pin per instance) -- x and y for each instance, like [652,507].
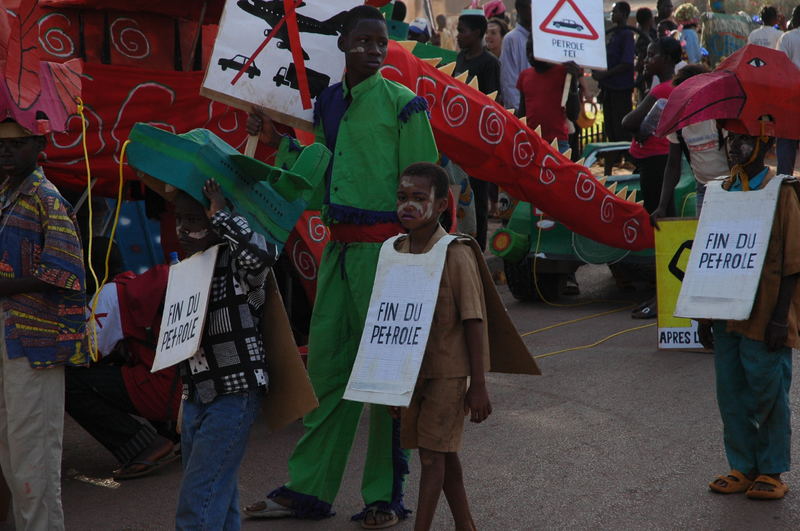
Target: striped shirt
[39,238]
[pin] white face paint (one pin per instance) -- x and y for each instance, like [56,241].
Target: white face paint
[421,209]
[357,49]
[196,235]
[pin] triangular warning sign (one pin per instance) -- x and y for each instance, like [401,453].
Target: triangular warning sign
[571,22]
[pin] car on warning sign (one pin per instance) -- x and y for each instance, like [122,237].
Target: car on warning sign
[567,23]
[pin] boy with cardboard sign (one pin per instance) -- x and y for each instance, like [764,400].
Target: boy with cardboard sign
[441,377]
[753,354]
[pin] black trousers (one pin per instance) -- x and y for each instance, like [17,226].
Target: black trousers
[651,178]
[97,399]
[616,104]
[480,190]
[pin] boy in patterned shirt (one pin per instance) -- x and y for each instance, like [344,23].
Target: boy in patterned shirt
[225,381]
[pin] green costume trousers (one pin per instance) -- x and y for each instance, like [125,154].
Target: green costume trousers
[344,286]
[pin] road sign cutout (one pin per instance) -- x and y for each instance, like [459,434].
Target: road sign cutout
[592,33]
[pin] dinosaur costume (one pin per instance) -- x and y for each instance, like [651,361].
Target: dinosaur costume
[375,131]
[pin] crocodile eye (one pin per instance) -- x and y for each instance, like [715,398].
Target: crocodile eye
[757,62]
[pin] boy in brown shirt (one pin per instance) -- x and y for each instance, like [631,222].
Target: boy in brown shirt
[451,380]
[753,358]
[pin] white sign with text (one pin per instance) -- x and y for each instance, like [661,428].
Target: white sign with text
[728,253]
[569,30]
[185,305]
[272,76]
[397,326]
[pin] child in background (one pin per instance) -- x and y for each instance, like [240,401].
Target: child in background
[457,349]
[225,381]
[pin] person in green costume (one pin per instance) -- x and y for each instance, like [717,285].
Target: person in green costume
[375,128]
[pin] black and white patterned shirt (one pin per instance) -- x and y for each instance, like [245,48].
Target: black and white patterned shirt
[231,358]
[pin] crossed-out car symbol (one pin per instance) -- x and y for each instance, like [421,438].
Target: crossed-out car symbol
[567,23]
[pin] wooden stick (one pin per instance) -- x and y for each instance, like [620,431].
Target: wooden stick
[188,66]
[565,92]
[252,144]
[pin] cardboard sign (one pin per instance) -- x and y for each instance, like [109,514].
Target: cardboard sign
[673,245]
[185,305]
[728,253]
[290,394]
[569,30]
[272,76]
[398,323]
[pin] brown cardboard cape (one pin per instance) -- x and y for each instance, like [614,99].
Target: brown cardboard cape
[290,395]
[507,351]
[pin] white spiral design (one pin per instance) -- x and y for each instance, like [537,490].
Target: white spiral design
[316,229]
[523,150]
[130,41]
[389,69]
[492,125]
[55,41]
[607,209]
[426,88]
[585,186]
[303,261]
[455,106]
[630,230]
[546,174]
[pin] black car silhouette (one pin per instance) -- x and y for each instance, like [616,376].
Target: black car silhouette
[237,62]
[567,23]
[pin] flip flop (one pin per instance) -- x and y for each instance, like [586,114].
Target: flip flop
[735,482]
[125,472]
[267,509]
[777,491]
[373,511]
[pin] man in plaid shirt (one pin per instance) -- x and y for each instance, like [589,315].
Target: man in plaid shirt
[225,381]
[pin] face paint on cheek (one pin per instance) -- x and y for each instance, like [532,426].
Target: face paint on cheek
[746,150]
[198,235]
[357,49]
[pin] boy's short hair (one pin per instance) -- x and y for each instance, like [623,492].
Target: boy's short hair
[644,15]
[670,48]
[475,22]
[769,14]
[624,7]
[359,13]
[689,71]
[434,172]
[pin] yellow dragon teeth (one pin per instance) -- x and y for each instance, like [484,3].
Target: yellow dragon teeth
[623,193]
[408,45]
[462,77]
[492,95]
[433,61]
[448,69]
[538,130]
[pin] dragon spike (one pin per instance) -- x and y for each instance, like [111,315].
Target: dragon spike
[408,45]
[474,83]
[538,130]
[447,69]
[581,162]
[568,154]
[632,196]
[524,120]
[492,95]
[554,144]
[640,202]
[603,180]
[433,61]
[612,187]
[511,111]
[462,76]
[623,193]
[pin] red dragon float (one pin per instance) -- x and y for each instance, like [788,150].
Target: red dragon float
[147,66]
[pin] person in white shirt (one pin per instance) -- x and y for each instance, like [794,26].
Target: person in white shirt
[789,43]
[702,144]
[767,35]
[514,57]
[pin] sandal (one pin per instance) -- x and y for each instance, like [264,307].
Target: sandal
[777,489]
[373,512]
[142,467]
[647,310]
[267,509]
[733,483]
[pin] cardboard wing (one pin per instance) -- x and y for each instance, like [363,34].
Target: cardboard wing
[507,351]
[290,395]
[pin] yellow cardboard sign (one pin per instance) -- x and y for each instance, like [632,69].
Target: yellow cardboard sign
[673,243]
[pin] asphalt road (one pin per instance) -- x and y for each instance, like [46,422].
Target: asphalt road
[618,436]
